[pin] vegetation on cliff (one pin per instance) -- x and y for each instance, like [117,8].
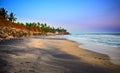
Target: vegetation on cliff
[8,26]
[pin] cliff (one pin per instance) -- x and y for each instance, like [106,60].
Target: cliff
[12,30]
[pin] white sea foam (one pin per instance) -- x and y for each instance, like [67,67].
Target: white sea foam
[101,43]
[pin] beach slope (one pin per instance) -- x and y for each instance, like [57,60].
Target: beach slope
[51,55]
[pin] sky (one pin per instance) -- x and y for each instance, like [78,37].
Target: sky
[74,15]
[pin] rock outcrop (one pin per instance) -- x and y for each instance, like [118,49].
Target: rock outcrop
[10,32]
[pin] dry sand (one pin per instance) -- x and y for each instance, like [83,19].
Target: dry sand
[51,55]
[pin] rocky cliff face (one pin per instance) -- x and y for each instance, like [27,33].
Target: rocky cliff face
[10,32]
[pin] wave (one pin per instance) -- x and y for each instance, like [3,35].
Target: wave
[101,43]
[111,40]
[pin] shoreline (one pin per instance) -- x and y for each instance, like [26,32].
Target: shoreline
[112,52]
[52,54]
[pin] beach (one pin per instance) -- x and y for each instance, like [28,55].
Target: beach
[51,54]
[104,43]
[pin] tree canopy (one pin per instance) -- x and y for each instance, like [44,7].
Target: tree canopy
[36,27]
[5,16]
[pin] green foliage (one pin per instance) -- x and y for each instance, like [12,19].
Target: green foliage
[3,13]
[5,16]
[44,28]
[11,17]
[36,27]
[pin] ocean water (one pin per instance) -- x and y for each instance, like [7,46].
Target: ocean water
[110,39]
[105,43]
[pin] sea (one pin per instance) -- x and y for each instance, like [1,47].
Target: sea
[104,43]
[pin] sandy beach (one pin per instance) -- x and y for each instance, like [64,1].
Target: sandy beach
[51,54]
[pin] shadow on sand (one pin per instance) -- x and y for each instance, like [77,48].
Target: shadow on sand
[47,61]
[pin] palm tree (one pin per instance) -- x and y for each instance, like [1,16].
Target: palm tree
[12,17]
[3,13]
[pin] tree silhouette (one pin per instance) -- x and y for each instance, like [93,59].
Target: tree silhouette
[12,17]
[3,13]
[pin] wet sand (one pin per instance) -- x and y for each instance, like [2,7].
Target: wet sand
[112,52]
[51,55]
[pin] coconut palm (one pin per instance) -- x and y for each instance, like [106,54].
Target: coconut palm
[12,17]
[3,13]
